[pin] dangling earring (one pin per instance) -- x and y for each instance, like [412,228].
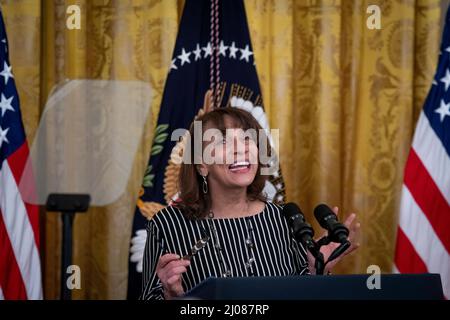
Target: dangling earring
[205,185]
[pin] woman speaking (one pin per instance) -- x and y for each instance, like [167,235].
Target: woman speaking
[223,226]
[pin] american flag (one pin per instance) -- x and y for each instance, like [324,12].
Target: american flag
[423,234]
[20,269]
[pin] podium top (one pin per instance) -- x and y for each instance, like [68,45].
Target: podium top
[336,287]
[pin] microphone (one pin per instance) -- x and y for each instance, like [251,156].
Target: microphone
[303,233]
[301,230]
[337,232]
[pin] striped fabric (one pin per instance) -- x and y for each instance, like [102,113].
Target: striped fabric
[20,268]
[423,234]
[258,245]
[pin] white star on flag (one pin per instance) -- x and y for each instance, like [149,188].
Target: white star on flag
[245,53]
[208,50]
[223,49]
[6,72]
[448,49]
[5,104]
[443,110]
[197,52]
[446,79]
[233,50]
[173,65]
[184,57]
[3,136]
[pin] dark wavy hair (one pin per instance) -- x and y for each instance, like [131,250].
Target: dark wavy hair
[194,203]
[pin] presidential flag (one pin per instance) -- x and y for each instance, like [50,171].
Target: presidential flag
[423,234]
[20,268]
[212,48]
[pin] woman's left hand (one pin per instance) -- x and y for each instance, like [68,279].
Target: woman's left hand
[326,250]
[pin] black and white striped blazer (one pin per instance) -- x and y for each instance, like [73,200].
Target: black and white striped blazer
[258,245]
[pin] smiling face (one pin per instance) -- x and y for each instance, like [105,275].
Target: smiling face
[224,148]
[231,155]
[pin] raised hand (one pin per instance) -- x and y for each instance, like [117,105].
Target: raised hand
[326,250]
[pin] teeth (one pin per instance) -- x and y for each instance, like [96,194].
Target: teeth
[240,164]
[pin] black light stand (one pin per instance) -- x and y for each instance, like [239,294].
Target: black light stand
[68,205]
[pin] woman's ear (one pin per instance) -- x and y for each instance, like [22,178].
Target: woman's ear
[202,170]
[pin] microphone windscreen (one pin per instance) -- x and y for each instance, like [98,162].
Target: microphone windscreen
[291,209]
[321,212]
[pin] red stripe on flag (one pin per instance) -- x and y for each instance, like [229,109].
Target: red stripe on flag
[406,258]
[428,197]
[17,162]
[11,280]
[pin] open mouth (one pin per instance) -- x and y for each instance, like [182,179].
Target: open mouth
[242,166]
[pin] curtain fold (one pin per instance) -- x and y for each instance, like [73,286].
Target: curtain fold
[344,97]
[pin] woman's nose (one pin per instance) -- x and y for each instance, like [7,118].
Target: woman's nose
[240,146]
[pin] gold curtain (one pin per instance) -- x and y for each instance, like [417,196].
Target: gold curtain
[344,97]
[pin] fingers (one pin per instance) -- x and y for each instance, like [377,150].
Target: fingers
[169,270]
[167,258]
[354,231]
[329,248]
[348,222]
[355,228]
[175,271]
[336,210]
[168,264]
[174,280]
[352,248]
[173,287]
